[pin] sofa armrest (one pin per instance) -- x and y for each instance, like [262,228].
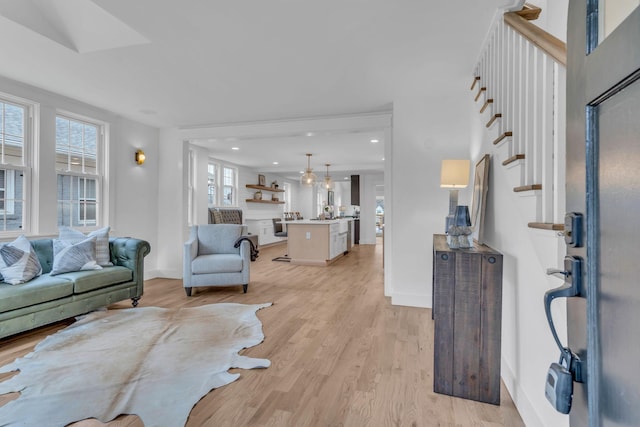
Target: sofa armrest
[130,252]
[189,254]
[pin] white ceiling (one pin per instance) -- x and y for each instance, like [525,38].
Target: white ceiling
[210,62]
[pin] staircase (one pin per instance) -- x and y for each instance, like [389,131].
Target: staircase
[519,86]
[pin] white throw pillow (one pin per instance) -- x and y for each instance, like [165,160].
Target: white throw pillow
[103,254]
[18,262]
[68,257]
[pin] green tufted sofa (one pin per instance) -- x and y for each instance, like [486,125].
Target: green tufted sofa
[47,299]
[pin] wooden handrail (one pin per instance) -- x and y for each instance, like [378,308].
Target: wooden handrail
[553,46]
[529,12]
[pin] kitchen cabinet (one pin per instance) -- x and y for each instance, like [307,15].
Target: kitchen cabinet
[337,239]
[263,228]
[467,312]
[355,190]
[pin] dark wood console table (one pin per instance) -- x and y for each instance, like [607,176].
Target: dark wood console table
[467,311]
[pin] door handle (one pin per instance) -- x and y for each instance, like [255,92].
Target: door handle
[572,287]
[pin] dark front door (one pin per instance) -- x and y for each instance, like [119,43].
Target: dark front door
[603,184]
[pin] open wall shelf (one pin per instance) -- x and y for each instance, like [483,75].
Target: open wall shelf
[263,188]
[273,202]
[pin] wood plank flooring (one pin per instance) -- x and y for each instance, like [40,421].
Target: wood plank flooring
[341,354]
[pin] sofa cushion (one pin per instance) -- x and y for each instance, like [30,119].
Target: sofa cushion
[85,281]
[19,262]
[218,263]
[74,256]
[103,254]
[41,289]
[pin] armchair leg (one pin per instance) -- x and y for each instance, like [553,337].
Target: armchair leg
[245,287]
[188,291]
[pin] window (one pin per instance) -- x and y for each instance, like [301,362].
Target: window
[229,186]
[14,138]
[287,197]
[212,181]
[78,144]
[222,184]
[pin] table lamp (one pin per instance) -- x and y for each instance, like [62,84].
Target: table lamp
[454,175]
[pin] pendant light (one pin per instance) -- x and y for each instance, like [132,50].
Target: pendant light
[327,184]
[308,178]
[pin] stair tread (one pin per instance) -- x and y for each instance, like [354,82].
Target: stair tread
[482,89]
[476,79]
[493,119]
[528,188]
[502,136]
[546,226]
[513,159]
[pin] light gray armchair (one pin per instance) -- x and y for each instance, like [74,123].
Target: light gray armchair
[210,258]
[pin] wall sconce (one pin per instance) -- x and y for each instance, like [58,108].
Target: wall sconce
[140,157]
[454,175]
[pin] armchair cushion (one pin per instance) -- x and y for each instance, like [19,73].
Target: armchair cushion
[217,263]
[211,258]
[218,238]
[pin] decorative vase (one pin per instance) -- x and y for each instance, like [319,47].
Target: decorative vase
[257,195]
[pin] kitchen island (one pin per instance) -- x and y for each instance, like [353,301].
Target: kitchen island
[316,242]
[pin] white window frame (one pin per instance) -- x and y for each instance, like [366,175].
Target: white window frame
[213,201]
[287,197]
[101,176]
[29,147]
[233,186]
[9,191]
[219,184]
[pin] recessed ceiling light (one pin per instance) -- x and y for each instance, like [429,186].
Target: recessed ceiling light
[374,141]
[235,148]
[275,163]
[310,133]
[346,177]
[301,171]
[383,158]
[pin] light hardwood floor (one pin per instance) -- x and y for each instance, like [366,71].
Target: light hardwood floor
[341,354]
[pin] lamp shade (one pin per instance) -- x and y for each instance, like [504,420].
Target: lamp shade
[454,173]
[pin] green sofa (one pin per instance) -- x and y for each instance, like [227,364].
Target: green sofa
[47,299]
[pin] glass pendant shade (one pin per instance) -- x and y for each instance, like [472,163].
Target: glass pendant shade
[327,184]
[308,178]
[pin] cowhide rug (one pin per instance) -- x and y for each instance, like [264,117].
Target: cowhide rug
[153,362]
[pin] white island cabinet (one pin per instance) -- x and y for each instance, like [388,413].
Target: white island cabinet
[263,228]
[320,242]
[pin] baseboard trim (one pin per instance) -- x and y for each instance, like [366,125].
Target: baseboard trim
[527,410]
[409,300]
[166,274]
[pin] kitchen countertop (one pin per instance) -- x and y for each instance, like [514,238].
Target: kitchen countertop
[317,221]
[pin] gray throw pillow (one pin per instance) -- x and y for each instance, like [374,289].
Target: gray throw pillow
[69,257]
[18,262]
[103,254]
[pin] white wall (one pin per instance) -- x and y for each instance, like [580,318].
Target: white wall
[553,17]
[132,188]
[527,344]
[368,184]
[423,135]
[135,187]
